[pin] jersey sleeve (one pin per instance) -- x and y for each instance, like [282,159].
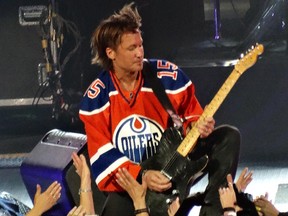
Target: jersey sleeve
[180,90]
[187,105]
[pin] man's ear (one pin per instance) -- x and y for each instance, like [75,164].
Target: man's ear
[110,53]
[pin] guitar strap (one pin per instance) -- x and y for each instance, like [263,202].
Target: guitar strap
[160,93]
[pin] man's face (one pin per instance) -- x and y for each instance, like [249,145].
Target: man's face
[128,57]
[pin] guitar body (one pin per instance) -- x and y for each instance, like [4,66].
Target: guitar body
[180,169]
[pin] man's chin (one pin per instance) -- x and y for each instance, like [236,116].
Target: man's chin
[139,67]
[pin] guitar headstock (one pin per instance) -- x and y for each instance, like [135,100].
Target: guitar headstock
[249,59]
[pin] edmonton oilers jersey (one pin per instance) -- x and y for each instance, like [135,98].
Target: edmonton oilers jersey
[123,134]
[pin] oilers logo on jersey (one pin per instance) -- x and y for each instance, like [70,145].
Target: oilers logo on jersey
[137,137]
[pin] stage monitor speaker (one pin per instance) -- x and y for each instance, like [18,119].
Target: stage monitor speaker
[51,160]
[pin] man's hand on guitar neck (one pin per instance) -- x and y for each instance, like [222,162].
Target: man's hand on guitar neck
[206,127]
[156,181]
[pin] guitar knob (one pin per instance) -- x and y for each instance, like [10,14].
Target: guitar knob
[175,192]
[169,201]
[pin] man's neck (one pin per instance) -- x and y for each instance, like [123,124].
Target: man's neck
[127,80]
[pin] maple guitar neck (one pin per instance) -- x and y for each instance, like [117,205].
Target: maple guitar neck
[189,142]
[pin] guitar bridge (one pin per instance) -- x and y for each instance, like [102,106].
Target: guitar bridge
[166,174]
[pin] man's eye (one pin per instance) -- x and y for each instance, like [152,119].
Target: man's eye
[132,48]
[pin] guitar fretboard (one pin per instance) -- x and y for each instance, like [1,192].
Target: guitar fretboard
[246,62]
[189,141]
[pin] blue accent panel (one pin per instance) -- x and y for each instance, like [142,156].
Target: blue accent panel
[104,161]
[88,104]
[168,82]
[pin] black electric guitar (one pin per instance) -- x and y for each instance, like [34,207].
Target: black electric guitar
[171,157]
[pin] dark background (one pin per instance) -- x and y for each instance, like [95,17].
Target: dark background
[180,31]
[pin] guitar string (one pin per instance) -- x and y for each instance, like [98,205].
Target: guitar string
[170,162]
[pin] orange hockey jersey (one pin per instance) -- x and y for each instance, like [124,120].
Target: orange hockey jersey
[123,129]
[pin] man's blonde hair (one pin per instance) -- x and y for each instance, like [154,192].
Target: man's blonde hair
[110,31]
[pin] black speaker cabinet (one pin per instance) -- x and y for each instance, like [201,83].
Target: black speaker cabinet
[21,51]
[51,160]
